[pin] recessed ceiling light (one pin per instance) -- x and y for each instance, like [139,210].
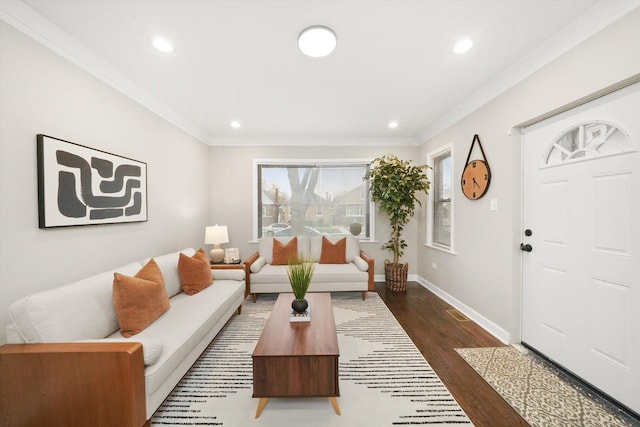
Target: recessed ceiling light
[235,124]
[393,124]
[317,41]
[462,46]
[163,45]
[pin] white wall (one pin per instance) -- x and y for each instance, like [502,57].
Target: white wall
[232,167]
[485,274]
[42,93]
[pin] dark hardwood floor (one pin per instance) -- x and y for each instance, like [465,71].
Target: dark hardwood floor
[437,333]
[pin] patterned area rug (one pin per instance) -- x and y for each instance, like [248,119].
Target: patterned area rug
[542,394]
[384,380]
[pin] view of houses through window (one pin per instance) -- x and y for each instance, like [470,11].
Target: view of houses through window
[313,200]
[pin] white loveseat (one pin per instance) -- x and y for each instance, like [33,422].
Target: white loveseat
[82,313]
[355,275]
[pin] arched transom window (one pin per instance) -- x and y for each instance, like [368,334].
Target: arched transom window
[587,141]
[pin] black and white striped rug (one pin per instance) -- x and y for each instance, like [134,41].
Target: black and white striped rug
[384,380]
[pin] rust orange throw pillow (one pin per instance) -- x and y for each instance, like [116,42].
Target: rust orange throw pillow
[282,252]
[139,300]
[194,272]
[333,253]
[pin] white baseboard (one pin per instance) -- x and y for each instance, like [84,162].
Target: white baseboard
[483,322]
[380,277]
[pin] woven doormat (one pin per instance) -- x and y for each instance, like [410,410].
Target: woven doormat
[543,395]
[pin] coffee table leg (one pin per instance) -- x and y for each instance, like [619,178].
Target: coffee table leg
[334,404]
[261,404]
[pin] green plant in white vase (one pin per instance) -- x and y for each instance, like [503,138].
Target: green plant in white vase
[300,272]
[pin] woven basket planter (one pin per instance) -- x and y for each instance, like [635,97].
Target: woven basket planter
[395,276]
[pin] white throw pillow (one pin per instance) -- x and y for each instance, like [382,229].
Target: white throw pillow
[258,264]
[78,310]
[361,264]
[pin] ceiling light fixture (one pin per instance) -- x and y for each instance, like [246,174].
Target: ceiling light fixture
[163,45]
[393,124]
[317,41]
[462,46]
[235,124]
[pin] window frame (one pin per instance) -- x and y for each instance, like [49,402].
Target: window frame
[588,143]
[430,228]
[310,163]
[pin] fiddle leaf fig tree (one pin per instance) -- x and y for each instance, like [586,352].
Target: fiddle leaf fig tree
[395,185]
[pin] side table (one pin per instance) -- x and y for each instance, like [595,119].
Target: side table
[240,266]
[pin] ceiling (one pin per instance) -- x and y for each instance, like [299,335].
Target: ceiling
[238,60]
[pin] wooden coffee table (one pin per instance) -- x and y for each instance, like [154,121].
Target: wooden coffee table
[297,359]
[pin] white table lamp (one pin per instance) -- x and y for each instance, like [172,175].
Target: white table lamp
[215,235]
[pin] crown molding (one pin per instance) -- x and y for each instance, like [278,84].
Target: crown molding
[313,141]
[599,16]
[25,19]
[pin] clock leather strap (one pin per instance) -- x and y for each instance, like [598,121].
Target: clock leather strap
[477,138]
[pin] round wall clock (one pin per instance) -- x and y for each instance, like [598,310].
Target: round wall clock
[476,175]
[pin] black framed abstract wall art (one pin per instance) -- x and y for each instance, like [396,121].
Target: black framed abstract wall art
[78,185]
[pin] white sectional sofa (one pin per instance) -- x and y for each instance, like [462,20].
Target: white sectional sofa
[81,314]
[355,275]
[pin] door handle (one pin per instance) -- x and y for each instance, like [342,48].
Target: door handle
[526,248]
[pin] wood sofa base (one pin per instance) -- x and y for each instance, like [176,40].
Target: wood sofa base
[72,384]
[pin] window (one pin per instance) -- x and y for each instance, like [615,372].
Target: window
[312,198]
[355,211]
[587,141]
[440,208]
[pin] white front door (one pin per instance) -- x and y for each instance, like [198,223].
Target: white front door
[581,277]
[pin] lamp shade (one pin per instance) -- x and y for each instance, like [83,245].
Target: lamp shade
[216,234]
